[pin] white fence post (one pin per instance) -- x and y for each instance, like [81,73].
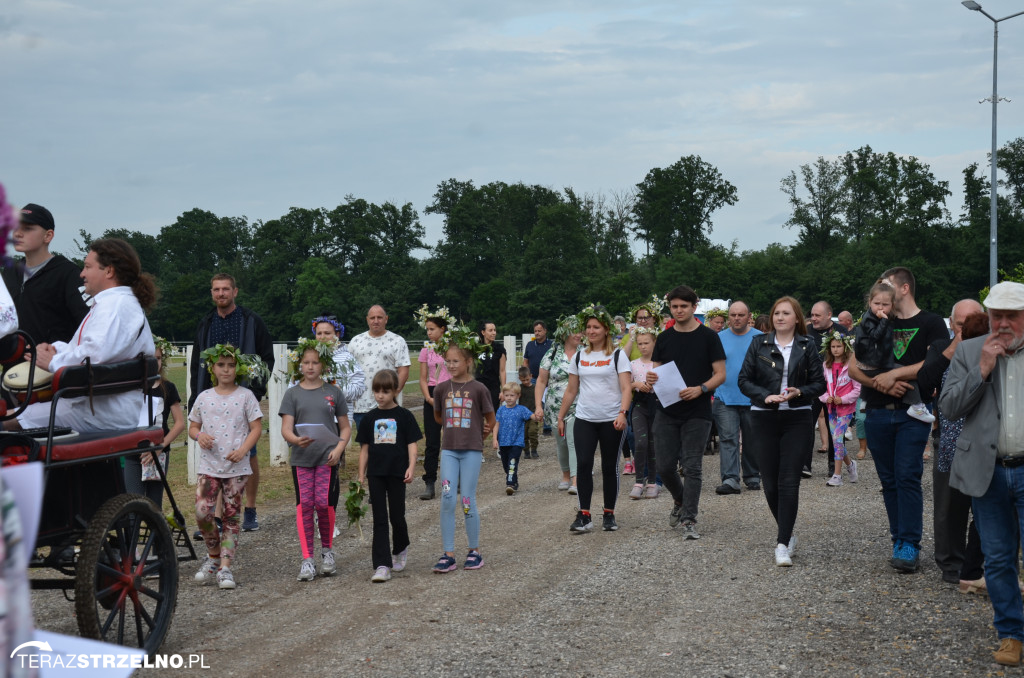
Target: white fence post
[275,393]
[191,446]
[511,366]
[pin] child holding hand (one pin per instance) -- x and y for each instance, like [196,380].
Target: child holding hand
[509,434]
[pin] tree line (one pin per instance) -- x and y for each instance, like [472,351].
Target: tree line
[512,253]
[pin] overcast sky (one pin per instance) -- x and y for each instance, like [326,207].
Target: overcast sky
[126,114]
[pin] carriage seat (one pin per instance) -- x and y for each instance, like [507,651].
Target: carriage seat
[80,446]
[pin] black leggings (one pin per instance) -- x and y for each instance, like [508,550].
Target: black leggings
[779,443]
[587,436]
[432,438]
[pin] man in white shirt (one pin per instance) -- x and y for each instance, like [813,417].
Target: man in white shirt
[378,349]
[115,330]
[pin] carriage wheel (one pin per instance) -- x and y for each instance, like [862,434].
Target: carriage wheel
[126,581]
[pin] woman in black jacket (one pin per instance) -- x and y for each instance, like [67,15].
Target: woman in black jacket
[782,376]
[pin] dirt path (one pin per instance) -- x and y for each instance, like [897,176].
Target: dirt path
[602,604]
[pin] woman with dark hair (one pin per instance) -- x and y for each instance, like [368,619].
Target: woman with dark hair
[490,370]
[782,375]
[432,373]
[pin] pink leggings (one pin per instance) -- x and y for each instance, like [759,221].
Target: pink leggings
[312,485]
[838,425]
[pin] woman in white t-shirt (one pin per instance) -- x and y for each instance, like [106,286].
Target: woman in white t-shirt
[601,376]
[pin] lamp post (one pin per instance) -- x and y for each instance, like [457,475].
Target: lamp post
[993,231]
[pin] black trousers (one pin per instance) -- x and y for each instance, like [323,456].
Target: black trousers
[587,436]
[816,407]
[779,443]
[388,505]
[432,440]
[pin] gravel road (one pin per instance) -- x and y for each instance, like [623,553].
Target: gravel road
[602,604]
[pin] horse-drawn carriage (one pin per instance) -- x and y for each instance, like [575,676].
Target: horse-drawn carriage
[117,551]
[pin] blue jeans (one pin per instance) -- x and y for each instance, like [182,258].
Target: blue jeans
[731,420]
[460,471]
[999,515]
[897,445]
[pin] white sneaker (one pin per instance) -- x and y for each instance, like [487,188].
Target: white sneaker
[572,489]
[851,435]
[381,574]
[308,570]
[399,560]
[852,468]
[328,567]
[834,481]
[225,580]
[637,491]
[792,545]
[651,492]
[207,573]
[563,485]
[337,531]
[921,413]
[782,558]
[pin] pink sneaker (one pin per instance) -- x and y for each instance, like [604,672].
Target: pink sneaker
[651,492]
[628,469]
[637,491]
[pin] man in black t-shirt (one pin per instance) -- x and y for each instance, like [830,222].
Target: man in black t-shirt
[897,441]
[682,428]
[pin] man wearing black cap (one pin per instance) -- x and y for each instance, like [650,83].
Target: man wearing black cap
[44,286]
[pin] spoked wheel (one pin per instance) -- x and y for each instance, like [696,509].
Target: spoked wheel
[126,581]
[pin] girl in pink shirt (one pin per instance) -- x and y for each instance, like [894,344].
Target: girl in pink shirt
[840,398]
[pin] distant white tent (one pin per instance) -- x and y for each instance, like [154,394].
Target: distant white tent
[705,305]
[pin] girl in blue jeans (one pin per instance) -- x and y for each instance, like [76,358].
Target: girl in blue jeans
[464,410]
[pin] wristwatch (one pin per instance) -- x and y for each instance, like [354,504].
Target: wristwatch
[703,388]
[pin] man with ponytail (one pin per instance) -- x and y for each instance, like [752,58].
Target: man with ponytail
[115,330]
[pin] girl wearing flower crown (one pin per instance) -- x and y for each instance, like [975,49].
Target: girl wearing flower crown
[601,376]
[466,415]
[432,373]
[840,398]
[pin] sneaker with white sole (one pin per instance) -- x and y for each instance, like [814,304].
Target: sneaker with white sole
[582,524]
[637,491]
[676,515]
[572,489]
[328,566]
[782,558]
[651,491]
[381,574]
[207,573]
[563,485]
[835,481]
[307,572]
[225,580]
[690,531]
[791,547]
[852,468]
[398,560]
[921,413]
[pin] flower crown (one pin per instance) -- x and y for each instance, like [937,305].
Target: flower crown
[566,325]
[165,347]
[324,350]
[716,313]
[247,365]
[599,313]
[655,306]
[460,335]
[653,331]
[332,321]
[835,335]
[423,314]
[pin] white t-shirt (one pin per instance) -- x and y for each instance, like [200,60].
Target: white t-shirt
[600,397]
[386,352]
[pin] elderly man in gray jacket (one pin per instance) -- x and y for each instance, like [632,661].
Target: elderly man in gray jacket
[985,384]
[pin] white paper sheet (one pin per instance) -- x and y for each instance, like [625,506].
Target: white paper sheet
[26,483]
[318,432]
[669,384]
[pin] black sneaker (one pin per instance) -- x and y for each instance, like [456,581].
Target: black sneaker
[534,455]
[609,523]
[726,488]
[676,515]
[581,524]
[805,473]
[754,487]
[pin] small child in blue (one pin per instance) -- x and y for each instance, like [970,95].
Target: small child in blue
[509,434]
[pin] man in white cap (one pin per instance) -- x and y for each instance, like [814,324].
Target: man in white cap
[985,384]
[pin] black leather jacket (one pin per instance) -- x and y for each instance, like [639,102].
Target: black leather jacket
[761,374]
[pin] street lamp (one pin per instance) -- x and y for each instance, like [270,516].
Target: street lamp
[975,7]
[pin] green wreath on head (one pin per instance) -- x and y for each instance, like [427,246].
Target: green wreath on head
[460,335]
[599,313]
[324,350]
[655,306]
[247,366]
[716,313]
[423,314]
[835,335]
[565,326]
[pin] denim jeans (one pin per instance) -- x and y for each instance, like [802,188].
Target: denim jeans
[999,514]
[897,445]
[460,471]
[675,438]
[731,420]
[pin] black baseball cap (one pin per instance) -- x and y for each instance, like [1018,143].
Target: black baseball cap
[37,215]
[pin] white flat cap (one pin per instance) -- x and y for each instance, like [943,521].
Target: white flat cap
[1006,296]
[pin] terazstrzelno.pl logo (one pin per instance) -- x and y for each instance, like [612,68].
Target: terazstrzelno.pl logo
[45,657]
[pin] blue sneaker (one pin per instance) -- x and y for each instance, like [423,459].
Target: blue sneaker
[907,558]
[249,522]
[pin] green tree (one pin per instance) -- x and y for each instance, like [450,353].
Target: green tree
[819,216]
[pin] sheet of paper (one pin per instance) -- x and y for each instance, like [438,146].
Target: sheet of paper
[669,384]
[26,483]
[71,648]
[317,432]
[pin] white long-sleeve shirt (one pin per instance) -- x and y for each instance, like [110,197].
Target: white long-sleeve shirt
[115,330]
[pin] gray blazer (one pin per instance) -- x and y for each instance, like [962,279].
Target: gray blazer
[965,394]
